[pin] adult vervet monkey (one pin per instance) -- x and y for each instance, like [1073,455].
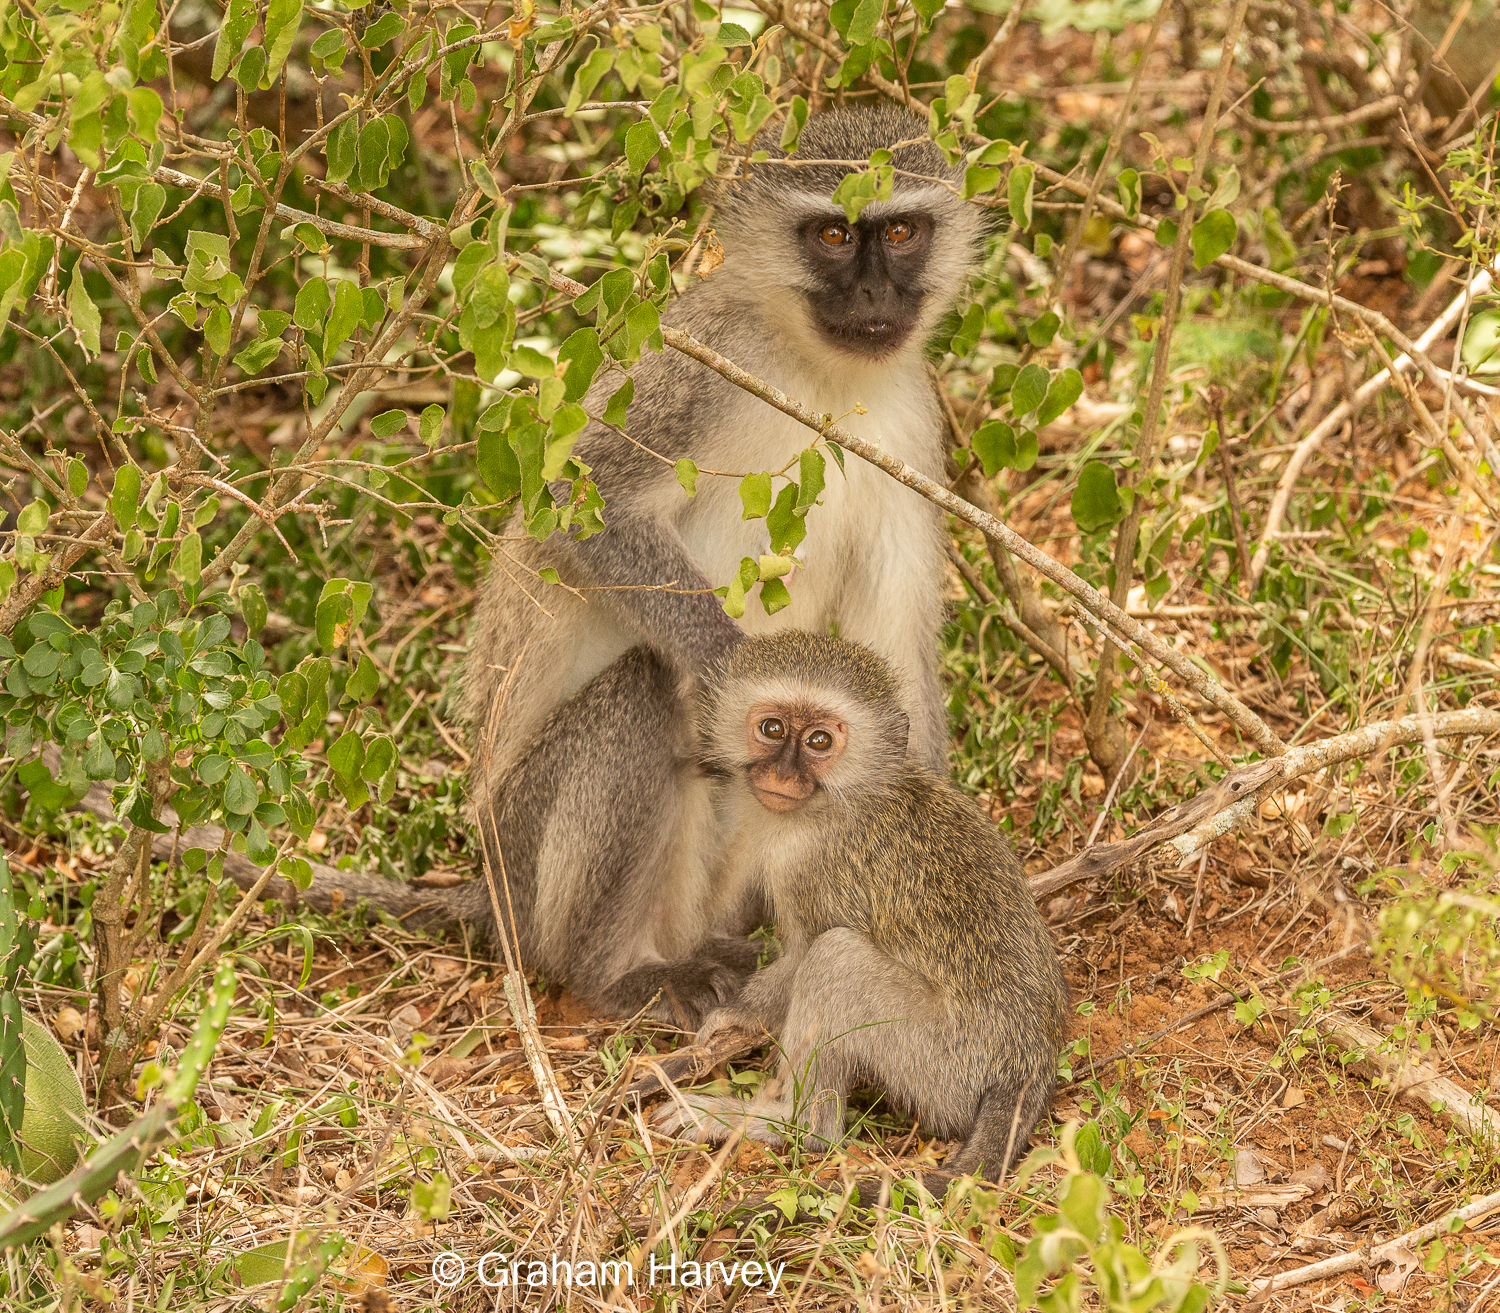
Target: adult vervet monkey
[913,956]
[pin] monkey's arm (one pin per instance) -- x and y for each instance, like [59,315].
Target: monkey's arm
[655,584]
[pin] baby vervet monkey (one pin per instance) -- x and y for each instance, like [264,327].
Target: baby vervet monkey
[914,958]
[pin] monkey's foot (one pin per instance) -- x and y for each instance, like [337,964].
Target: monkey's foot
[687,990]
[716,1117]
[685,1066]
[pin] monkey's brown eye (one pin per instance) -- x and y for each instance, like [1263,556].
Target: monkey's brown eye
[835,234]
[820,740]
[898,232]
[771,728]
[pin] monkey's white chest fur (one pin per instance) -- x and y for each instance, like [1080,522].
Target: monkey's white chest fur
[869,536]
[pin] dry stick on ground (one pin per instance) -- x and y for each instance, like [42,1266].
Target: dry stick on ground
[1418,1083]
[1106,738]
[1388,1252]
[1382,108]
[1365,741]
[1477,286]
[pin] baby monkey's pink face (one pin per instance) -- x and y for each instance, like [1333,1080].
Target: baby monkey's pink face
[791,749]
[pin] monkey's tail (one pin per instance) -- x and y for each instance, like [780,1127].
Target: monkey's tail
[330,888]
[1007,1113]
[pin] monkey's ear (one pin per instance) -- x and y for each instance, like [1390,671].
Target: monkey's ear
[903,729]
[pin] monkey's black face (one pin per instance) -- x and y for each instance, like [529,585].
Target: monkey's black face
[869,279]
[790,750]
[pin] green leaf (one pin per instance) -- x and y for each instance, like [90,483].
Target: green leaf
[216,329]
[329,47]
[1212,236]
[240,793]
[212,768]
[126,496]
[1029,390]
[1000,447]
[811,469]
[1062,392]
[249,68]
[310,311]
[380,756]
[786,1200]
[796,120]
[430,426]
[641,143]
[253,608]
[283,18]
[774,596]
[235,27]
[687,476]
[978,179]
[347,755]
[380,32]
[755,494]
[866,18]
[617,411]
[99,760]
[46,792]
[150,199]
[78,477]
[531,363]
[259,354]
[388,423]
[732,34]
[348,305]
[995,445]
[1166,233]
[498,467]
[1018,194]
[334,617]
[588,77]
[84,313]
[1043,329]
[363,683]
[374,154]
[187,565]
[1128,184]
[1096,500]
[341,150]
[582,355]
[33,518]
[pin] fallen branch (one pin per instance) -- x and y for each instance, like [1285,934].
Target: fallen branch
[1310,757]
[1418,1083]
[1381,1253]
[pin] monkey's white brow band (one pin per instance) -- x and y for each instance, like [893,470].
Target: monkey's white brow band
[813,205]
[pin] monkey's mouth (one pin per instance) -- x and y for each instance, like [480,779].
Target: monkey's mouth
[780,795]
[868,336]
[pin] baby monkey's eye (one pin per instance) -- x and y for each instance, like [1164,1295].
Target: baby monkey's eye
[898,232]
[820,740]
[835,234]
[771,728]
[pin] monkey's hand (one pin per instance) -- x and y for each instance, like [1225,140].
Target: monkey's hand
[728,1033]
